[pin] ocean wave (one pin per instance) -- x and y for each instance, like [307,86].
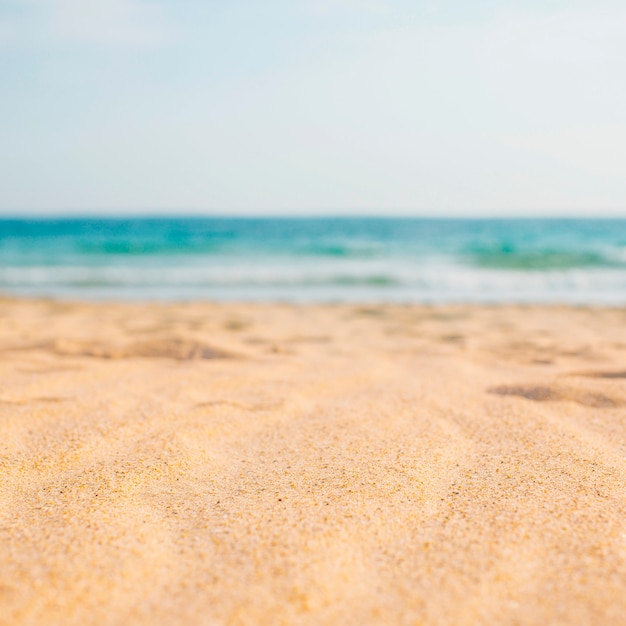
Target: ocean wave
[543,260]
[496,257]
[207,248]
[342,249]
[147,248]
[326,283]
[104,276]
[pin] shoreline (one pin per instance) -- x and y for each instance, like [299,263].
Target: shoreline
[9,297]
[264,463]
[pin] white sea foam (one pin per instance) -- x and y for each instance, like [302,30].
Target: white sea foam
[347,280]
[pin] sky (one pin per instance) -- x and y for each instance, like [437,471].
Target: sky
[387,107]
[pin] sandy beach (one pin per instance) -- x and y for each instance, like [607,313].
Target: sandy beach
[237,464]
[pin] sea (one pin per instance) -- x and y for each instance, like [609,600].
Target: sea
[569,261]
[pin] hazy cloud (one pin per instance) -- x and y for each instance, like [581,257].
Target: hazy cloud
[100,22]
[330,7]
[597,151]
[568,35]
[476,105]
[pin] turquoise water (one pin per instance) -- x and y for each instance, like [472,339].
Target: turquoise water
[347,259]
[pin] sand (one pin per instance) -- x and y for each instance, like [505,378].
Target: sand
[216,464]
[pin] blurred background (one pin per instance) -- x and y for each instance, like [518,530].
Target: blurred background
[318,259]
[143,142]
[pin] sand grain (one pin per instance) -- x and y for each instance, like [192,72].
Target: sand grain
[276,464]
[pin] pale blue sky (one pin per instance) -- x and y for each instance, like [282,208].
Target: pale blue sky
[345,106]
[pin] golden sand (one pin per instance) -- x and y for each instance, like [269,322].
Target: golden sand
[213,464]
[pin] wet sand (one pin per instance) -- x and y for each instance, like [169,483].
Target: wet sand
[277,464]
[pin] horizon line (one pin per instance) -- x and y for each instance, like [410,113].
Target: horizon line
[156,215]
